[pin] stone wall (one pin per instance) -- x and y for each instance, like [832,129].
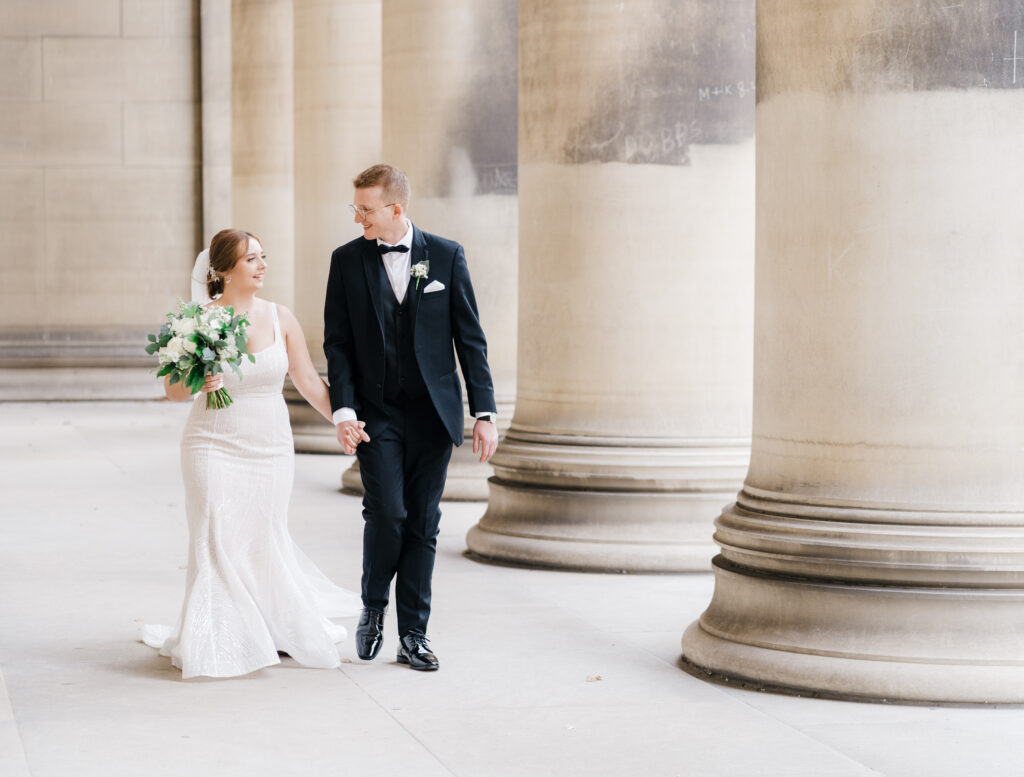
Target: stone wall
[99,174]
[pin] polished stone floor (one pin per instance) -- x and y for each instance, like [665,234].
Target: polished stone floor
[543,673]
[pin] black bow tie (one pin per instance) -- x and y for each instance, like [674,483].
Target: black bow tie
[386,249]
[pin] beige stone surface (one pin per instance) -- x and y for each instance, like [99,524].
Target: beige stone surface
[32,18]
[427,60]
[93,194]
[215,114]
[60,133]
[913,278]
[21,69]
[158,18]
[263,135]
[668,312]
[112,69]
[337,135]
[99,177]
[21,193]
[161,134]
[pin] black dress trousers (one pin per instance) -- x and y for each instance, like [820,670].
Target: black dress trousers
[403,469]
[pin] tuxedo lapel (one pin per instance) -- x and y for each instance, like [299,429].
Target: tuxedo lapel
[419,254]
[371,260]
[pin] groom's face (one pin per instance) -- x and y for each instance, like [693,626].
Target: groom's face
[380,217]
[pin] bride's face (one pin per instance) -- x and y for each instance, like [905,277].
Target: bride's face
[248,272]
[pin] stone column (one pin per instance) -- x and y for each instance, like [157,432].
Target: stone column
[262,135]
[450,123]
[337,134]
[632,416]
[877,547]
[215,91]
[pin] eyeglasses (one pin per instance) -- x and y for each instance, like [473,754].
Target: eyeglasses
[361,212]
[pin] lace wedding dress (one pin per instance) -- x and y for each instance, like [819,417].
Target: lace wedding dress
[250,592]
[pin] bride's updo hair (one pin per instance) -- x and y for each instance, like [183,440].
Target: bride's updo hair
[226,248]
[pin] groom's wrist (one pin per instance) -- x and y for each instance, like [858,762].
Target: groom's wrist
[343,414]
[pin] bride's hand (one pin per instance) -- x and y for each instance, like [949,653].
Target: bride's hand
[213,382]
[350,434]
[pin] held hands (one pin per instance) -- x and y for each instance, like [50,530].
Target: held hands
[485,439]
[350,434]
[213,382]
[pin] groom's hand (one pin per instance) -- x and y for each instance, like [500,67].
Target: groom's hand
[350,434]
[485,439]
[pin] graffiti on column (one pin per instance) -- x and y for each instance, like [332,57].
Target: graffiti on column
[684,78]
[485,131]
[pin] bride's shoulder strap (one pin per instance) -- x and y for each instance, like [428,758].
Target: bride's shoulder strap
[277,321]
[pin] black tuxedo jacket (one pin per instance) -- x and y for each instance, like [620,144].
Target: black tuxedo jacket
[354,330]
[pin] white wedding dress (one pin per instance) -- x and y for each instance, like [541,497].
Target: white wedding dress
[250,592]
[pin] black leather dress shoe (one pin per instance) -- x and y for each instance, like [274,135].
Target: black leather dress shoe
[413,650]
[370,633]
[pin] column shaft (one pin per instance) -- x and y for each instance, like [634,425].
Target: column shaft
[337,134]
[262,135]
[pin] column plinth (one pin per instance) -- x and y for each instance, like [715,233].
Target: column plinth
[587,503]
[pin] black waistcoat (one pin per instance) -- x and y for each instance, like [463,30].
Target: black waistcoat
[401,373]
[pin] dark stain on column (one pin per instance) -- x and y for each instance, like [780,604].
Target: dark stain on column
[936,45]
[894,45]
[685,77]
[486,128]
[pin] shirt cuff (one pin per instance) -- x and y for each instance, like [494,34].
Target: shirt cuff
[485,412]
[343,414]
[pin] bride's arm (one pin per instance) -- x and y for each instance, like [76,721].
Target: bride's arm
[300,365]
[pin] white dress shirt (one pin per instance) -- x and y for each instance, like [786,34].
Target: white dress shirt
[398,264]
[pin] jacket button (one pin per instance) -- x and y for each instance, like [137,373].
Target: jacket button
[379,386]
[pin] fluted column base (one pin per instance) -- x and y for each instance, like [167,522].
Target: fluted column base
[862,642]
[886,605]
[562,503]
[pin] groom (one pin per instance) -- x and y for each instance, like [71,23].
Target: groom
[397,300]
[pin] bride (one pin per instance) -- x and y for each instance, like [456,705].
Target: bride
[250,593]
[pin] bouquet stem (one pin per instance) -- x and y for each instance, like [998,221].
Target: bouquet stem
[218,400]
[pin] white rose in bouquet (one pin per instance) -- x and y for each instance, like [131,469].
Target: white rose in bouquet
[183,326]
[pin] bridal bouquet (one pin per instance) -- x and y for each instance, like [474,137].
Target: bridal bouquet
[196,342]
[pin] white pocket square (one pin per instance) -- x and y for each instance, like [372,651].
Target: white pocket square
[433,286]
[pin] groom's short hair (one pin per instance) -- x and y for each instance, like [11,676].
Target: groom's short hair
[393,181]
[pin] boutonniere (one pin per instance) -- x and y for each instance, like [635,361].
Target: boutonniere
[419,271]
